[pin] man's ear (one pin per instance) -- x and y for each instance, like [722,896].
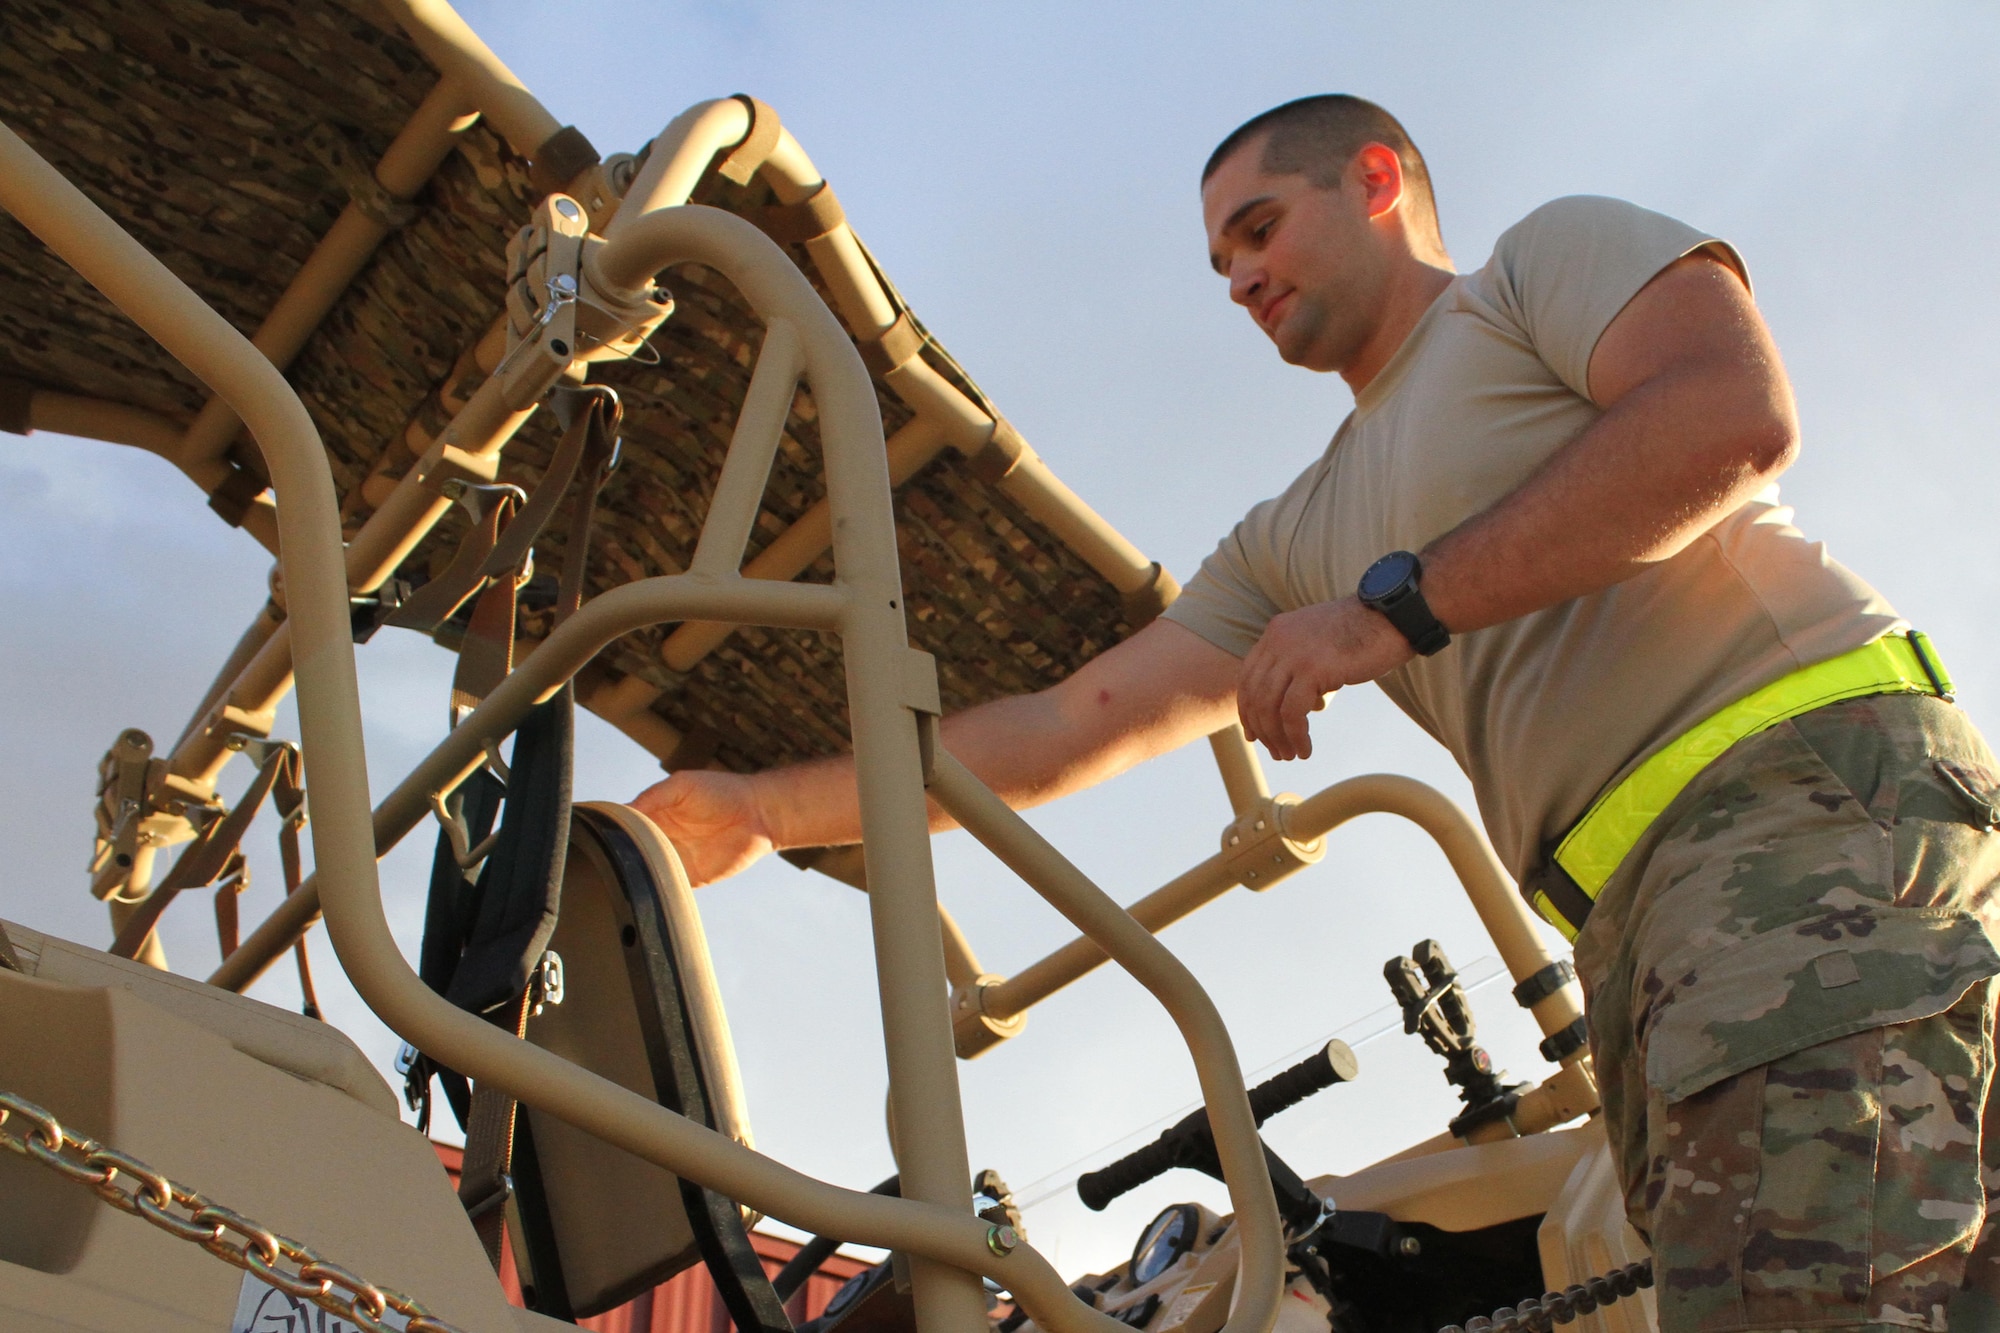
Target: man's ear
[1377,173]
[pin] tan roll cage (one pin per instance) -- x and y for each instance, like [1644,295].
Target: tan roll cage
[933,1223]
[891,689]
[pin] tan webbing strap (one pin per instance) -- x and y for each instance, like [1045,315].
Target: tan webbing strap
[435,602]
[288,801]
[746,157]
[563,157]
[1001,453]
[512,547]
[483,1183]
[487,654]
[897,345]
[228,926]
[814,216]
[205,859]
[308,997]
[600,458]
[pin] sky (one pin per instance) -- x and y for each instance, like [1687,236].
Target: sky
[1027,175]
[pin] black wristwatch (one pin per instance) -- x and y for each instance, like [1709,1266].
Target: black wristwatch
[1390,586]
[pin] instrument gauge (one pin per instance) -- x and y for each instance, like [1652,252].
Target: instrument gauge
[1169,1236]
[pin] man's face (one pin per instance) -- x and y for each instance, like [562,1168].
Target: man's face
[1303,260]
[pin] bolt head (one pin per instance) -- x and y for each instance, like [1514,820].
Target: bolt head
[567,207]
[1410,1247]
[1002,1240]
[563,282]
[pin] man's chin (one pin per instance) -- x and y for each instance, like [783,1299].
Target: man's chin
[1302,352]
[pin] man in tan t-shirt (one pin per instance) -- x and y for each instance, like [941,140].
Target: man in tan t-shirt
[1579,441]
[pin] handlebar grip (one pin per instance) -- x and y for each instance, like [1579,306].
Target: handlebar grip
[1334,1063]
[1098,1188]
[1190,1141]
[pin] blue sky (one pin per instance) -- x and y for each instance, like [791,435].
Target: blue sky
[1026,173]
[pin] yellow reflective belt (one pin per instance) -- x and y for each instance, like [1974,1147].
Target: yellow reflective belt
[1593,849]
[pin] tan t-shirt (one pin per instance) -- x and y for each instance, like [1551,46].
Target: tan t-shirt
[1545,711]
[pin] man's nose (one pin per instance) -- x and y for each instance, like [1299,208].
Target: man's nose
[1245,284]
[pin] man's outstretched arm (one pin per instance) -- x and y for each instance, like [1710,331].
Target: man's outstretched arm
[1158,690]
[1698,417]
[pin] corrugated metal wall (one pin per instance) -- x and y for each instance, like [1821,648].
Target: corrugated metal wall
[687,1302]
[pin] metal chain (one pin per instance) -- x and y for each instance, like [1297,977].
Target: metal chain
[292,1268]
[1539,1315]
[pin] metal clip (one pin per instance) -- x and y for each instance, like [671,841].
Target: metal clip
[474,497]
[545,986]
[452,820]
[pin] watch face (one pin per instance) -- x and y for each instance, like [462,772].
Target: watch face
[1386,575]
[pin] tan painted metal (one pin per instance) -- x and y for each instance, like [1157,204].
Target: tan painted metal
[1305,823]
[1261,1280]
[935,1227]
[1242,775]
[600,620]
[467,62]
[1513,928]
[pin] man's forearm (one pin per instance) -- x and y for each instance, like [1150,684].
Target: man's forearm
[1148,695]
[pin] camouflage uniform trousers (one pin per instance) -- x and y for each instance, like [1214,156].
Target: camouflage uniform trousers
[1791,986]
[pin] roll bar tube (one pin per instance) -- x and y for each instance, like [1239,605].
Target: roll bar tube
[1261,1280]
[935,1234]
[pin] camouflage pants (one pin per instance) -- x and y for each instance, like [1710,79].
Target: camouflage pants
[1791,992]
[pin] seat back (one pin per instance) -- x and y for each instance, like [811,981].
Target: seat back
[640,1007]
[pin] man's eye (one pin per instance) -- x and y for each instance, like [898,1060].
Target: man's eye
[1260,231]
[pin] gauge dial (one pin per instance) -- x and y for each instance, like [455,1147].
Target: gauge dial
[1168,1237]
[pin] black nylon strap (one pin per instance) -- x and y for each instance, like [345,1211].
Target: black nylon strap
[1558,1045]
[1544,983]
[518,894]
[1565,895]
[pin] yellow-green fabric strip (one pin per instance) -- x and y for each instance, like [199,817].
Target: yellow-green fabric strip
[1547,911]
[1600,840]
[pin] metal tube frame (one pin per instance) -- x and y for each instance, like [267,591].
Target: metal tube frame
[933,1223]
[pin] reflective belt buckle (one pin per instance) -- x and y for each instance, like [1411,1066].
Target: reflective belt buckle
[1927,658]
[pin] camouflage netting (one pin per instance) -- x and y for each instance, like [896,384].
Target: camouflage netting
[214,132]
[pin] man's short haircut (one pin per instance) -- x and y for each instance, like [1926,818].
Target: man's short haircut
[1317,137]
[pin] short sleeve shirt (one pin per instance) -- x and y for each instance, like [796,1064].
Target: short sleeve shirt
[1545,711]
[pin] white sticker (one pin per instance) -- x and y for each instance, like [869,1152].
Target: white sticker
[262,1308]
[1185,1305]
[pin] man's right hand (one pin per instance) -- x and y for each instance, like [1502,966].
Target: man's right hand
[712,819]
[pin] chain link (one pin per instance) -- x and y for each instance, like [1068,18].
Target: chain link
[1541,1314]
[293,1268]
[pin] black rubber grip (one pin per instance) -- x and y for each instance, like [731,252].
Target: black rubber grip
[1098,1188]
[1331,1064]
[1190,1142]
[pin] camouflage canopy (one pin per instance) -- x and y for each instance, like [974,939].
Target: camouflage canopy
[124,101]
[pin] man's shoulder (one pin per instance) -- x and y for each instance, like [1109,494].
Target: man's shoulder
[1587,245]
[1575,217]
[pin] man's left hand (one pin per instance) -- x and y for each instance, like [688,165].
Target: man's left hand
[1304,656]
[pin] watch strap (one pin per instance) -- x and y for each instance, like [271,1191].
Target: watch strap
[1412,616]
